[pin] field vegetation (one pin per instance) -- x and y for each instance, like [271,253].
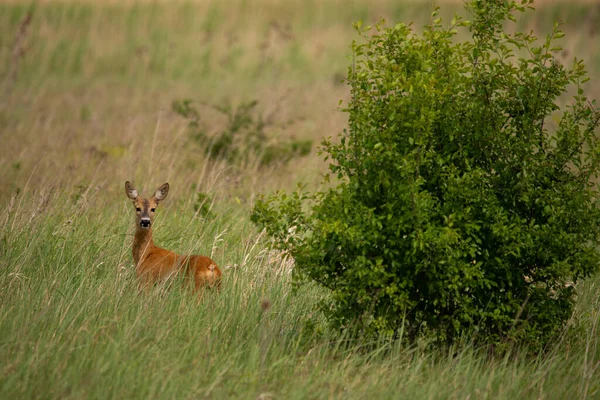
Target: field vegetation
[87,94]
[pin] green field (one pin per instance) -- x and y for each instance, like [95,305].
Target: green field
[85,104]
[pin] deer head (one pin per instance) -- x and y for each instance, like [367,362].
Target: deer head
[145,208]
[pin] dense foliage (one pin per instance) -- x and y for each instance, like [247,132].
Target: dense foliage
[464,202]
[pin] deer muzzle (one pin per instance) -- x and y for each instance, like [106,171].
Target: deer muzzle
[145,222]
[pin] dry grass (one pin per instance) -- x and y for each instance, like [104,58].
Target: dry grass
[88,96]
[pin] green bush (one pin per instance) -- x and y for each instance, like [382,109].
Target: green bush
[203,205]
[243,139]
[458,211]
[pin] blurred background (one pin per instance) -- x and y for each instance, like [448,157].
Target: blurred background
[93,93]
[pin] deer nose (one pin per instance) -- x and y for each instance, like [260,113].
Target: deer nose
[145,222]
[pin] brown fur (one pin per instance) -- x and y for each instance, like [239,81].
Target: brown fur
[152,263]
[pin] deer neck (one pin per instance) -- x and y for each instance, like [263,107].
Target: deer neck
[142,244]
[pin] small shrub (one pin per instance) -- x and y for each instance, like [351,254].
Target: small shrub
[457,213]
[203,205]
[244,138]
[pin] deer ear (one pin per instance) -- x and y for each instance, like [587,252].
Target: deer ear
[161,192]
[130,191]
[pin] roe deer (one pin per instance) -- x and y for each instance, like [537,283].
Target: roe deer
[153,263]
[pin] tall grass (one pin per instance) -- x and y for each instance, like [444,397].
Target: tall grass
[85,95]
[73,323]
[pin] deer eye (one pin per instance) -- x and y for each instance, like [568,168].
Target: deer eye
[138,209]
[153,209]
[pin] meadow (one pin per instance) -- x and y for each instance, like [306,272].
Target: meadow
[86,94]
